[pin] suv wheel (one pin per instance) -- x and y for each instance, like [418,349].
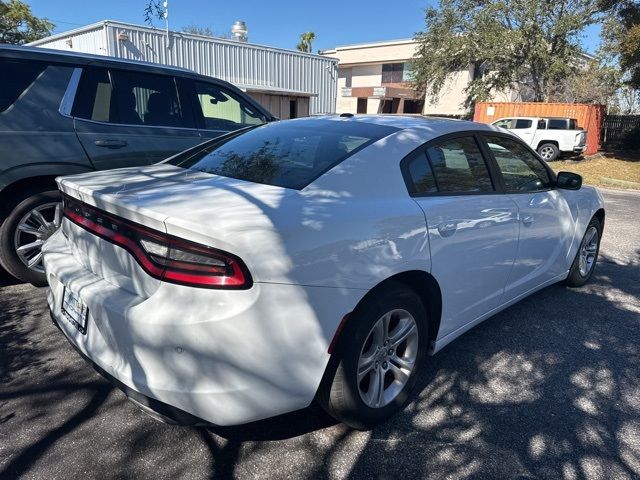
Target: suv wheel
[379,353]
[31,221]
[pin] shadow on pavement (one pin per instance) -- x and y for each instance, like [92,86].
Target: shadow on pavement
[546,389]
[6,279]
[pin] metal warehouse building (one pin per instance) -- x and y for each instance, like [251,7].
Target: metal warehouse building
[287,82]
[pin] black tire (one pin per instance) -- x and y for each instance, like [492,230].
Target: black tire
[8,256]
[548,147]
[576,278]
[339,392]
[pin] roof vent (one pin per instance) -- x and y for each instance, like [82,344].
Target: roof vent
[239,31]
[346,115]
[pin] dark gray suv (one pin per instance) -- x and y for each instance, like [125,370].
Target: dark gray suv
[63,113]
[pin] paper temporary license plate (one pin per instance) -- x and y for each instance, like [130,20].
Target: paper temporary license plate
[75,310]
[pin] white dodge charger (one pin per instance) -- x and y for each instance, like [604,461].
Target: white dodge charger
[319,258]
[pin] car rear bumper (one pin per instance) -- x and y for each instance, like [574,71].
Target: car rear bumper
[579,149]
[220,357]
[155,408]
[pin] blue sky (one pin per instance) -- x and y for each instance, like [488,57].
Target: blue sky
[275,23]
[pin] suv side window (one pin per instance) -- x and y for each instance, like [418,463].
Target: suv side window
[459,166]
[129,98]
[94,100]
[17,77]
[149,99]
[223,110]
[521,170]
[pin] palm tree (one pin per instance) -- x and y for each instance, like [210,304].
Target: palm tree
[305,41]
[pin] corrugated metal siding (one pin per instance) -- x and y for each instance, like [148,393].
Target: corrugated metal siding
[589,116]
[90,41]
[243,64]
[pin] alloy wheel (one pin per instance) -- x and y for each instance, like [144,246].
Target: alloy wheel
[33,230]
[387,358]
[588,251]
[546,153]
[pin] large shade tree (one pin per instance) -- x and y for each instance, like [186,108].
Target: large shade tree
[621,35]
[18,25]
[526,45]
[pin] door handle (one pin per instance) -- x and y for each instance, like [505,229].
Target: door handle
[527,220]
[110,143]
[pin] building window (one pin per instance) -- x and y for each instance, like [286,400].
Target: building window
[345,73]
[396,73]
[391,73]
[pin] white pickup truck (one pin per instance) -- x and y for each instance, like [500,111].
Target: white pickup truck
[550,137]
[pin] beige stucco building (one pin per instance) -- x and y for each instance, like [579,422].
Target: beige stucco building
[373,78]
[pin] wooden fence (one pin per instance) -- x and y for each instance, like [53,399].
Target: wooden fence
[615,127]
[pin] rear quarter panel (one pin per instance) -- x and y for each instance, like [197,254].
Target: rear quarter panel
[35,139]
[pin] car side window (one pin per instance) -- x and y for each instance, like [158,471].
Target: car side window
[129,98]
[148,99]
[94,100]
[522,123]
[504,123]
[557,124]
[223,110]
[521,170]
[421,179]
[459,167]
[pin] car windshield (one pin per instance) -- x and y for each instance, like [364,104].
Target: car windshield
[288,154]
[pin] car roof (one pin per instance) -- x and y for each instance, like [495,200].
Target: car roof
[425,127]
[76,58]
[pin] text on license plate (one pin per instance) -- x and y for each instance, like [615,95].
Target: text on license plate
[75,310]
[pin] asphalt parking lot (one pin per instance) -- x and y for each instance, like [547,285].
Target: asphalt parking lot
[549,388]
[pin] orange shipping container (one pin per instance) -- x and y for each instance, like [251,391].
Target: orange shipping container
[589,116]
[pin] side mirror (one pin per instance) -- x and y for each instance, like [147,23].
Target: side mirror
[569,181]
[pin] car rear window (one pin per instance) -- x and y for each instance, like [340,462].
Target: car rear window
[17,77]
[288,154]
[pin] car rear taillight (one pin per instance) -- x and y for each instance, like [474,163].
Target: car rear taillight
[161,255]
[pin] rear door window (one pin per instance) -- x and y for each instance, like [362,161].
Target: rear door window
[557,124]
[94,100]
[148,99]
[130,98]
[459,167]
[17,77]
